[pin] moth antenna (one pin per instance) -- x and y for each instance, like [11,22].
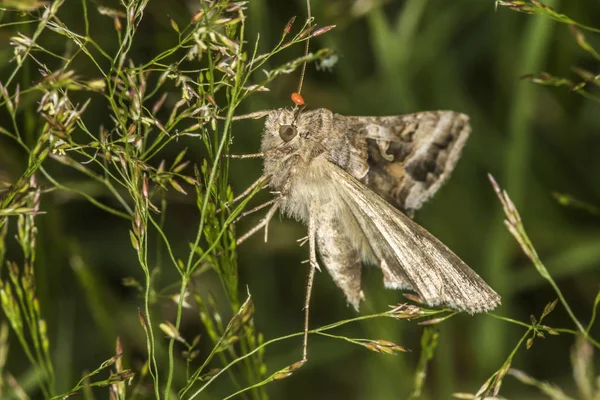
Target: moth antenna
[296,96]
[297,110]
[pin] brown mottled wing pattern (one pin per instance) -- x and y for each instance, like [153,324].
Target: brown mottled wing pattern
[410,156]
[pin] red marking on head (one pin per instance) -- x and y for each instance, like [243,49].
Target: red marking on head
[298,99]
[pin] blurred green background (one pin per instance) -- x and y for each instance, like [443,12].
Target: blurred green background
[394,57]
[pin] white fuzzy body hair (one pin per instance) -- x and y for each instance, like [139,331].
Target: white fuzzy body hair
[293,166]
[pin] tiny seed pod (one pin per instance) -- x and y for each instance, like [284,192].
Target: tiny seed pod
[297,98]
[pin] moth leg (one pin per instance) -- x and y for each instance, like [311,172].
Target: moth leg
[263,179]
[263,223]
[340,257]
[311,277]
[254,115]
[255,209]
[268,217]
[242,156]
[302,241]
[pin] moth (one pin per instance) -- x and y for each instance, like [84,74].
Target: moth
[356,181]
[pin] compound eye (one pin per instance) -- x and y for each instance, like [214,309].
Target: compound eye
[287,132]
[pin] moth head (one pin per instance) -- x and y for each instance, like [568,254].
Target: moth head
[287,124]
[291,132]
[283,128]
[293,138]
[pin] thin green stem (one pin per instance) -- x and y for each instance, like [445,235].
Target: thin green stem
[532,55]
[86,196]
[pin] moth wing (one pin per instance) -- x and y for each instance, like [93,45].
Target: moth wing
[341,259]
[410,156]
[410,256]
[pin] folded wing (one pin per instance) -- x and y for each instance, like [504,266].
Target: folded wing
[410,256]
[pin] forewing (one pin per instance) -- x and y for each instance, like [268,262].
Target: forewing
[411,256]
[410,156]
